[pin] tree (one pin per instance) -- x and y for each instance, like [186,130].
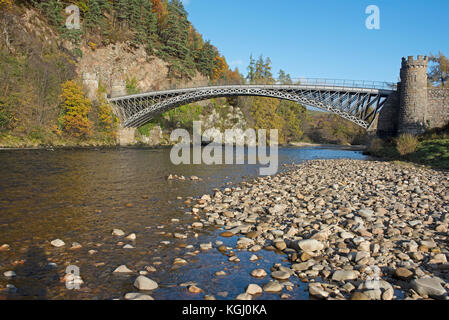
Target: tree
[205,59]
[284,78]
[294,115]
[107,121]
[174,35]
[439,69]
[74,111]
[160,9]
[5,4]
[221,68]
[93,13]
[251,70]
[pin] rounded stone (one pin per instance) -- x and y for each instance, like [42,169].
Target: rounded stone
[226,234]
[259,273]
[58,243]
[310,245]
[244,297]
[359,296]
[254,289]
[137,296]
[118,233]
[145,284]
[272,286]
[195,289]
[280,275]
[403,274]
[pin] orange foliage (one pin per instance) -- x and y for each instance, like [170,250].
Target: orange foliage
[161,10]
[221,68]
[75,108]
[5,4]
[234,76]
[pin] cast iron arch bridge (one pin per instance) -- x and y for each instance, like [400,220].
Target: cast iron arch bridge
[356,101]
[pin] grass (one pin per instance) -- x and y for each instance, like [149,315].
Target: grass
[47,139]
[433,152]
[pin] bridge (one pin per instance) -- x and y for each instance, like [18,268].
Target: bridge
[410,106]
[356,101]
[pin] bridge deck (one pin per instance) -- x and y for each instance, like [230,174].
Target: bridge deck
[374,91]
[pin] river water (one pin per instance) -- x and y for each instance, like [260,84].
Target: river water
[82,195]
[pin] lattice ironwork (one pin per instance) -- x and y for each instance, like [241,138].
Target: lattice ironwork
[358,105]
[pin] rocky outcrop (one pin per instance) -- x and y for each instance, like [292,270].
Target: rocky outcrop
[230,119]
[124,60]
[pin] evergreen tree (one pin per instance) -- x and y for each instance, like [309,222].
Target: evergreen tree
[251,70]
[93,15]
[205,59]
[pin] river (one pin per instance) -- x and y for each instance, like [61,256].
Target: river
[81,195]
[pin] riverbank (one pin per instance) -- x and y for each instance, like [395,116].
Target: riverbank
[433,153]
[360,230]
[336,146]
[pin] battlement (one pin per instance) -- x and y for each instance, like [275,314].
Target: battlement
[410,62]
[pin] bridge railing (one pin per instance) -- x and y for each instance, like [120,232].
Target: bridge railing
[317,82]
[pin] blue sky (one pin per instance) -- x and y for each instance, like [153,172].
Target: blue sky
[323,38]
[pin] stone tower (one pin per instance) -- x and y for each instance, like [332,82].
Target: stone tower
[413,95]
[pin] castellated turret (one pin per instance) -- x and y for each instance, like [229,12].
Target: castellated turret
[413,95]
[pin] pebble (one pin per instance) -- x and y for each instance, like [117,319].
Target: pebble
[272,286]
[429,287]
[9,274]
[259,273]
[123,269]
[118,233]
[58,243]
[137,296]
[253,258]
[206,246]
[197,225]
[344,275]
[145,284]
[403,274]
[254,289]
[195,289]
[316,290]
[310,245]
[131,237]
[244,297]
[359,296]
[280,275]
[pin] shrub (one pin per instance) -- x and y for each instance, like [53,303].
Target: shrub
[406,144]
[375,146]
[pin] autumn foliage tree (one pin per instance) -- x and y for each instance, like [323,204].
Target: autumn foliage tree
[439,69]
[75,107]
[5,4]
[107,121]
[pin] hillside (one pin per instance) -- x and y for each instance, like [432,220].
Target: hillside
[150,44]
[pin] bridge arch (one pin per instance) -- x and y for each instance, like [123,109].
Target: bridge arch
[358,105]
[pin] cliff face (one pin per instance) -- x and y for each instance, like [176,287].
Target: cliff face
[122,61]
